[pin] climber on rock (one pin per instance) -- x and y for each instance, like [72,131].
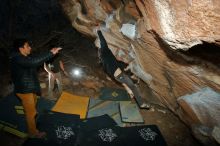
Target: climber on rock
[115,69]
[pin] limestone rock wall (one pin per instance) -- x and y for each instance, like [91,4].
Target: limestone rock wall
[154,42]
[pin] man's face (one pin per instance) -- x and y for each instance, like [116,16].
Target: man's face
[26,49]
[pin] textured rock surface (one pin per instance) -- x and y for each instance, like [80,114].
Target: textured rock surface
[204,105]
[163,27]
[185,23]
[216,134]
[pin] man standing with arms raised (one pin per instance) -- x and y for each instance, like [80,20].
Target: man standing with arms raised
[25,79]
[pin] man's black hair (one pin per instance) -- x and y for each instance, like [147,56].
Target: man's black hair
[18,43]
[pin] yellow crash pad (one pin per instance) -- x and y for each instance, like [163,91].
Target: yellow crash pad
[72,104]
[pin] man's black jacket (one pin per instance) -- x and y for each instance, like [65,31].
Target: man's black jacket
[24,71]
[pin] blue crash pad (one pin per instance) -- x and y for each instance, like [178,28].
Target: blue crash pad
[99,107]
[130,112]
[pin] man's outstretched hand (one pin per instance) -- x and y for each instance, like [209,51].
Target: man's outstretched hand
[55,50]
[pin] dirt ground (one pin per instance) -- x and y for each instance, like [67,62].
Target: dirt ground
[83,55]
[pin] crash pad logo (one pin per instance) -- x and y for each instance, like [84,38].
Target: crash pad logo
[114,94]
[147,134]
[63,132]
[107,135]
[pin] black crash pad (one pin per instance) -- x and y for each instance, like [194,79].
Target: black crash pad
[148,135]
[94,123]
[61,128]
[108,136]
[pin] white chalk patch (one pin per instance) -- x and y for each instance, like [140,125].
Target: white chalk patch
[128,30]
